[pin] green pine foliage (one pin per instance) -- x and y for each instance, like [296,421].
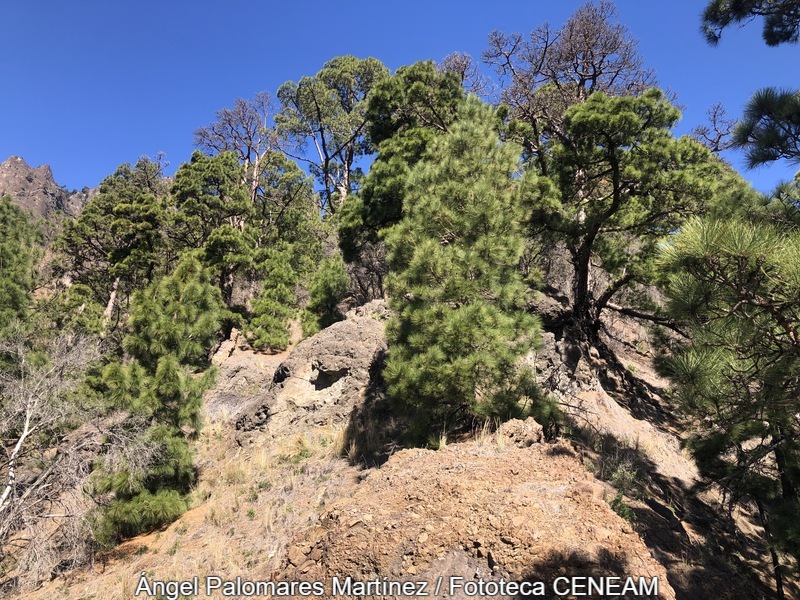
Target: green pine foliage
[405,112]
[174,323]
[116,243]
[329,287]
[623,183]
[781,19]
[735,286]
[74,309]
[272,309]
[461,328]
[285,217]
[770,127]
[208,193]
[328,111]
[179,315]
[211,207]
[19,254]
[144,512]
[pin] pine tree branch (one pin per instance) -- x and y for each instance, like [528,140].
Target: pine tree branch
[663,321]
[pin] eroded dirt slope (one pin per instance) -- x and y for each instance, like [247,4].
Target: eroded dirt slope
[505,506]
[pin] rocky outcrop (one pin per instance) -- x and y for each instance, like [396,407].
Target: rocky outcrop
[323,378]
[244,377]
[35,190]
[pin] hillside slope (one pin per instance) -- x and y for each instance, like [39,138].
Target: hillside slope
[288,495]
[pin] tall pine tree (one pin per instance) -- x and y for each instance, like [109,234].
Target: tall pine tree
[460,328]
[116,245]
[173,325]
[19,240]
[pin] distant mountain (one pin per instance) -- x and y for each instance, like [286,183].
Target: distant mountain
[36,191]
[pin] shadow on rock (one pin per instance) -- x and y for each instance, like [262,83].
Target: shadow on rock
[374,428]
[607,574]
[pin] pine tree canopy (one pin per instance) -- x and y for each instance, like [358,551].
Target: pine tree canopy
[19,252]
[405,112]
[179,315]
[118,233]
[208,193]
[273,308]
[624,182]
[736,287]
[770,127]
[173,325]
[781,19]
[328,110]
[460,326]
[328,287]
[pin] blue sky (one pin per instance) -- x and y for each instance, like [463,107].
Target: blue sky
[91,84]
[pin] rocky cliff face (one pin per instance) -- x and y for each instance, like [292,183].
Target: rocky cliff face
[35,190]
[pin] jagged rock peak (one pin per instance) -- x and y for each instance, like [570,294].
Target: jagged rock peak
[35,189]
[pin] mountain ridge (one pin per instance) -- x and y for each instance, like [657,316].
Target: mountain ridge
[35,190]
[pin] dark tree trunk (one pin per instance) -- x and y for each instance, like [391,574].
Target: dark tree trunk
[776,565]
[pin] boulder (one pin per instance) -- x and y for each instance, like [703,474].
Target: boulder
[323,378]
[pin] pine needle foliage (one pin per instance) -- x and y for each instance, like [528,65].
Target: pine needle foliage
[460,328]
[273,308]
[178,315]
[770,127]
[781,19]
[145,512]
[173,325]
[118,237]
[624,184]
[328,288]
[405,112]
[19,251]
[736,286]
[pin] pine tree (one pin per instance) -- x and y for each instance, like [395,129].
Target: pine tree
[173,324]
[116,245]
[273,308]
[623,183]
[735,286]
[328,110]
[770,128]
[328,287]
[211,210]
[781,18]
[405,113]
[179,315]
[19,240]
[461,327]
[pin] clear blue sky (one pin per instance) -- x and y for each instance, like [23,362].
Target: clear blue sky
[90,84]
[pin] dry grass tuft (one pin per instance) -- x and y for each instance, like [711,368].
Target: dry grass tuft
[245,506]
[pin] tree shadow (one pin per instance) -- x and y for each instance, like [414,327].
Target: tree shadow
[559,569]
[374,430]
[705,553]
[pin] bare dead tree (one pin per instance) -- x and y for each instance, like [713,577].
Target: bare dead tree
[244,130]
[37,472]
[468,71]
[550,70]
[717,134]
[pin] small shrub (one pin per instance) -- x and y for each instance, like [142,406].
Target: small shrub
[619,506]
[144,512]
